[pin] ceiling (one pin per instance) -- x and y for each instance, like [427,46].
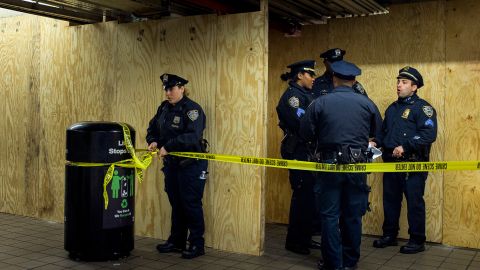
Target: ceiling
[290,12]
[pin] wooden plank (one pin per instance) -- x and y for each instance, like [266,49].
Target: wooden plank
[240,130]
[4,195]
[20,87]
[282,52]
[56,99]
[92,61]
[462,128]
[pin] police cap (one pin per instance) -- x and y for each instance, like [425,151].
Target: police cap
[411,74]
[333,55]
[345,70]
[171,80]
[305,66]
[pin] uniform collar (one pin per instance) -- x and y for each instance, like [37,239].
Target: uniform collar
[343,88]
[295,85]
[179,104]
[408,100]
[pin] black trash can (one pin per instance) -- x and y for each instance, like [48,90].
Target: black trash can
[93,233]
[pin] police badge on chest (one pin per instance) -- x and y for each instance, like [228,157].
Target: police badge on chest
[176,121]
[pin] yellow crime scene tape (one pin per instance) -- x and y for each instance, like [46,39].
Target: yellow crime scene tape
[344,168]
[143,162]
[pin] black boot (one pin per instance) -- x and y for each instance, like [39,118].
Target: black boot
[315,245]
[412,248]
[193,252]
[296,248]
[385,241]
[169,247]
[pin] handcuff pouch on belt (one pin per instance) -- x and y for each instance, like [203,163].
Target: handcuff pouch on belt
[344,154]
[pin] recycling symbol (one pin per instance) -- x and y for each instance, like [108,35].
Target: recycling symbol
[124,203]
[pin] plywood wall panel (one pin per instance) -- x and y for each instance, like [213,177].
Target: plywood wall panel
[3,118]
[111,72]
[56,99]
[19,89]
[134,97]
[92,63]
[462,197]
[240,129]
[284,51]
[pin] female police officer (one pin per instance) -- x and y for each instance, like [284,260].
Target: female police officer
[290,109]
[178,126]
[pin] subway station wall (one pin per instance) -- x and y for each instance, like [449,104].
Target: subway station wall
[53,75]
[440,38]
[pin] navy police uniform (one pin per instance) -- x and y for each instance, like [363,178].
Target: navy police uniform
[179,128]
[324,84]
[342,137]
[411,123]
[290,109]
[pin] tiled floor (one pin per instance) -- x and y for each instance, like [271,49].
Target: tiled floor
[27,243]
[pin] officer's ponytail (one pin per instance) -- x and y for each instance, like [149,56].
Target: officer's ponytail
[286,76]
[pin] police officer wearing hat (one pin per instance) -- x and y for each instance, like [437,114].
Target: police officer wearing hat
[341,124]
[409,129]
[324,84]
[178,126]
[290,110]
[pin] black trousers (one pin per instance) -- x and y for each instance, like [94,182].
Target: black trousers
[302,208]
[184,188]
[302,205]
[343,202]
[413,186]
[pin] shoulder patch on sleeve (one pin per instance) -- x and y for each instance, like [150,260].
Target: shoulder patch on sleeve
[192,114]
[428,110]
[294,102]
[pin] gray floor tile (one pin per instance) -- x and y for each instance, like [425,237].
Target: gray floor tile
[28,243]
[246,266]
[453,266]
[458,261]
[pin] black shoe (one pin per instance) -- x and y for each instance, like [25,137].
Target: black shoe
[297,249]
[193,252]
[385,241]
[315,245]
[412,248]
[168,247]
[321,266]
[350,267]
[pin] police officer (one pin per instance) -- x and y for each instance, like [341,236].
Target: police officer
[324,84]
[290,109]
[178,126]
[341,123]
[409,129]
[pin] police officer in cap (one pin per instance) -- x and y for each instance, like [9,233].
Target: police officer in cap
[409,129]
[342,137]
[290,110]
[178,126]
[324,84]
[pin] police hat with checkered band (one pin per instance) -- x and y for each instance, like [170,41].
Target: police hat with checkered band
[333,55]
[303,66]
[171,80]
[412,74]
